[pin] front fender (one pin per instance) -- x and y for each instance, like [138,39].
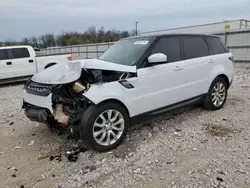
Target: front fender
[98,93]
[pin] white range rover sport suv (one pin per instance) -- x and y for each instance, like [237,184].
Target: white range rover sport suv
[97,99]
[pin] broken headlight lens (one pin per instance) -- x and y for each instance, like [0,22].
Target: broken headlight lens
[38,88]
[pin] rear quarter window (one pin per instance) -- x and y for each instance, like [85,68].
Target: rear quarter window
[216,45]
[20,53]
[194,47]
[4,54]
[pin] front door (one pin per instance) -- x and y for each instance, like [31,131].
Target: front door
[161,85]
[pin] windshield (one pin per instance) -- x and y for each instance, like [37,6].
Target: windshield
[127,51]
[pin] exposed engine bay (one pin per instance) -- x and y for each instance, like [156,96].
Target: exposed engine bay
[68,101]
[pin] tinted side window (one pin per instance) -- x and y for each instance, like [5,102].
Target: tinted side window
[170,46]
[20,53]
[216,45]
[195,47]
[4,54]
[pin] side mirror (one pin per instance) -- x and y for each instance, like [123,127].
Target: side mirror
[157,58]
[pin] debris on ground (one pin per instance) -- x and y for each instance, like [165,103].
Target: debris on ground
[13,175]
[11,123]
[72,155]
[31,143]
[52,153]
[57,158]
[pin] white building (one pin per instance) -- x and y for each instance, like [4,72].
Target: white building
[211,28]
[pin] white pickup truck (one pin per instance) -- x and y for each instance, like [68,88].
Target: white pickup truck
[18,63]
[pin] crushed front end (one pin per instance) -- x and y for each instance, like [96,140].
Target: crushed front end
[58,106]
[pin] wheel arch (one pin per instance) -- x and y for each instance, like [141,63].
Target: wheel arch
[225,77]
[47,65]
[116,101]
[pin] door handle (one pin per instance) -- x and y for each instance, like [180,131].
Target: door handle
[178,68]
[8,63]
[31,61]
[211,61]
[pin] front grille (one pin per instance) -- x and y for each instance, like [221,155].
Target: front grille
[38,88]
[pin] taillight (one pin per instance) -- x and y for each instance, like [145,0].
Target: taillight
[70,58]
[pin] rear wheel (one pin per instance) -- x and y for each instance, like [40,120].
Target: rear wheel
[217,95]
[104,126]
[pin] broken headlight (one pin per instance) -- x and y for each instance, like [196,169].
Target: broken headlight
[78,87]
[38,88]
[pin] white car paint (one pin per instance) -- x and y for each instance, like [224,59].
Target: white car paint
[155,86]
[70,71]
[156,58]
[26,66]
[61,73]
[44,102]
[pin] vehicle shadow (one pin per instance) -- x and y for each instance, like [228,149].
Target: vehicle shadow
[16,83]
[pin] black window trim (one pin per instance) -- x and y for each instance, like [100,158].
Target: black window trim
[8,54]
[201,36]
[218,39]
[12,55]
[142,63]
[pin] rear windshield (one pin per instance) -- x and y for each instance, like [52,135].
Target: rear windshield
[127,51]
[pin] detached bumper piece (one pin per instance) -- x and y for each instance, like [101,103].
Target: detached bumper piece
[37,114]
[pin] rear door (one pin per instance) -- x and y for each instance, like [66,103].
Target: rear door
[6,68]
[197,65]
[23,62]
[221,56]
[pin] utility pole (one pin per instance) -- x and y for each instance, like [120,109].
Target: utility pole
[136,32]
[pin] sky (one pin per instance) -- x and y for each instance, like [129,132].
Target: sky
[26,18]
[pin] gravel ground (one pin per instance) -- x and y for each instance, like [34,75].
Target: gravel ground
[188,148]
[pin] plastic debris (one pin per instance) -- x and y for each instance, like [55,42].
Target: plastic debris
[31,142]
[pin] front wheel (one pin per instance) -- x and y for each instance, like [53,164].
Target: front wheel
[217,95]
[104,126]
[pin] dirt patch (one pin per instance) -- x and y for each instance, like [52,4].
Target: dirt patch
[217,130]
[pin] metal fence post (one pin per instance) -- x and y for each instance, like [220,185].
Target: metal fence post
[97,49]
[87,51]
[226,38]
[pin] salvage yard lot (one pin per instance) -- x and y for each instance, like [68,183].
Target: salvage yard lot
[187,148]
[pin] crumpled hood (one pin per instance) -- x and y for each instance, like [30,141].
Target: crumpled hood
[104,65]
[63,73]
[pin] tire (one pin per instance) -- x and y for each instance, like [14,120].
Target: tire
[92,116]
[209,101]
